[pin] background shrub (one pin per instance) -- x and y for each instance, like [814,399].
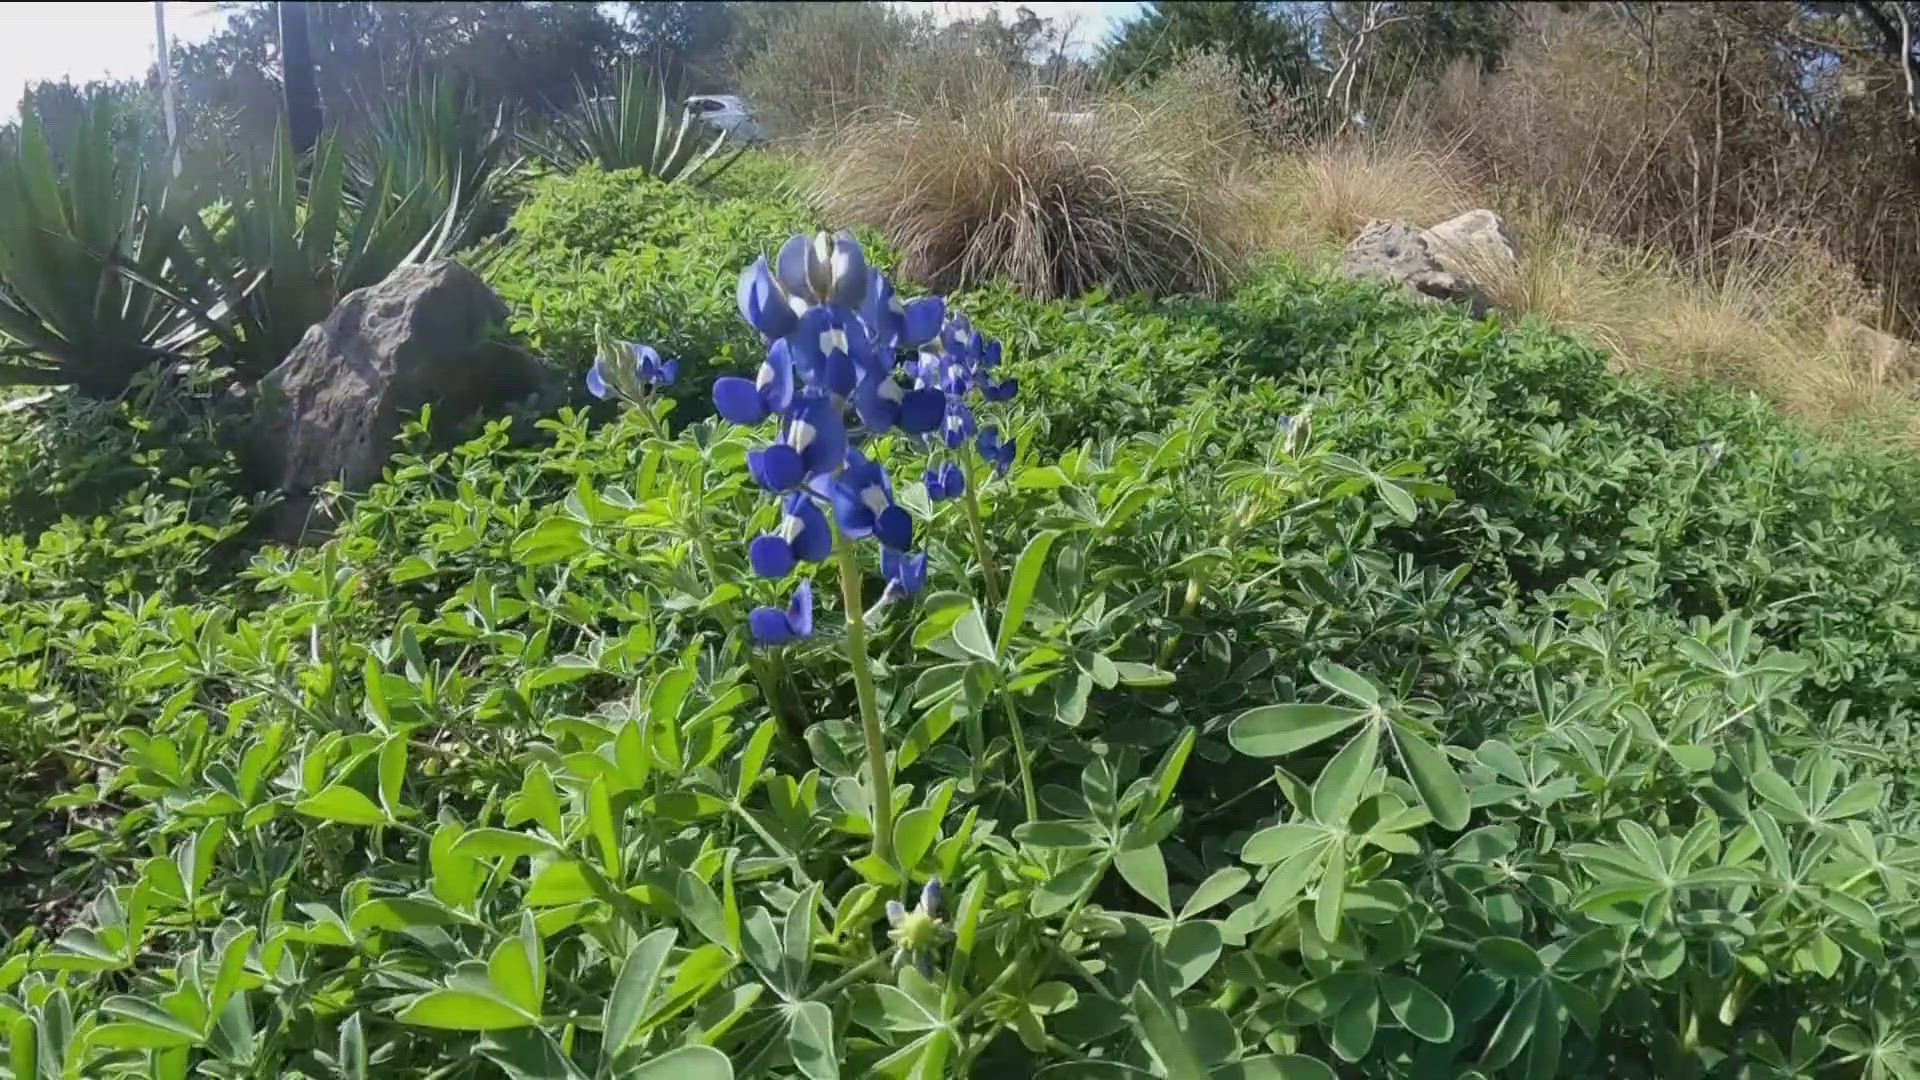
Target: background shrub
[1054,197]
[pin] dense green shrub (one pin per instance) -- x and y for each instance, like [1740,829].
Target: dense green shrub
[639,258]
[1482,715]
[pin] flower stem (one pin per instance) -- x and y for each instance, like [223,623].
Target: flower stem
[980,549]
[1020,755]
[879,779]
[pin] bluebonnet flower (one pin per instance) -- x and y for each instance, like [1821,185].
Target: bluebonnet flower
[829,349]
[629,370]
[803,536]
[863,504]
[958,426]
[946,481]
[763,303]
[906,574]
[995,452]
[916,934]
[826,270]
[770,392]
[813,442]
[771,626]
[836,332]
[884,405]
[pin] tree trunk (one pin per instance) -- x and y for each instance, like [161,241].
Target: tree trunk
[296,77]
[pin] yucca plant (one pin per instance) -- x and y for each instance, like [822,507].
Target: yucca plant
[439,143]
[282,249]
[93,279]
[635,127]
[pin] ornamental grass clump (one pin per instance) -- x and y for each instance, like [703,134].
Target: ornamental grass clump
[1053,198]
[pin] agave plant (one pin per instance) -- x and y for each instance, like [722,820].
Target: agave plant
[281,251]
[635,128]
[439,143]
[93,279]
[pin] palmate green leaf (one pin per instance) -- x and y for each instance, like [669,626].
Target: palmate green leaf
[1354,1026]
[1026,574]
[1191,950]
[1274,730]
[883,1008]
[518,968]
[1440,788]
[810,1040]
[686,1063]
[1220,886]
[1275,1067]
[1338,789]
[1060,891]
[1509,959]
[1145,870]
[970,634]
[464,1010]
[633,989]
[1162,1034]
[1418,1009]
[340,803]
[1331,897]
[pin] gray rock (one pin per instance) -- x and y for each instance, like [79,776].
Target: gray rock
[1398,252]
[1475,242]
[422,336]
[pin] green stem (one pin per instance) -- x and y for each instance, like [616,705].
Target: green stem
[878,778]
[1020,754]
[980,549]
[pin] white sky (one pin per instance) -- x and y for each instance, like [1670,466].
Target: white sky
[115,40]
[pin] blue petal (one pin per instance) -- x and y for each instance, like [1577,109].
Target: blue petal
[778,468]
[774,381]
[770,557]
[738,400]
[800,611]
[828,450]
[849,269]
[894,527]
[923,410]
[790,266]
[597,382]
[953,480]
[762,302]
[923,319]
[930,897]
[852,515]
[770,626]
[669,371]
[815,540]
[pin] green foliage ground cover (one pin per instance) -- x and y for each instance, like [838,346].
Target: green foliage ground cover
[1504,716]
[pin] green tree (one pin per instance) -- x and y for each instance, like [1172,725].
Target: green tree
[1261,38]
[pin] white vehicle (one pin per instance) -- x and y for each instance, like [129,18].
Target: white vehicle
[728,113]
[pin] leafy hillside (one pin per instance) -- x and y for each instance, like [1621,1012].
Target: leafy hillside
[1329,686]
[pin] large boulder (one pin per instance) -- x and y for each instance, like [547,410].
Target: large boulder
[1394,251]
[1473,244]
[425,335]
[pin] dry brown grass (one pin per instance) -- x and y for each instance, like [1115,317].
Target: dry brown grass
[1054,195]
[1764,318]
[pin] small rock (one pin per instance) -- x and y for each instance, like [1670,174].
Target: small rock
[422,336]
[1477,240]
[1399,252]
